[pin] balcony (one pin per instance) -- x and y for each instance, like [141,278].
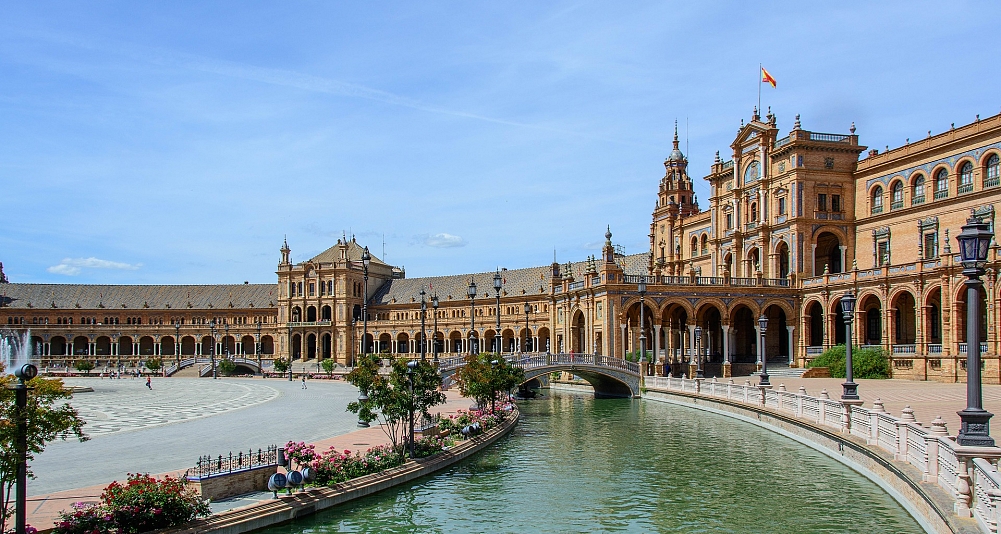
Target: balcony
[964,188]
[876,210]
[963,347]
[943,193]
[904,349]
[992,181]
[920,199]
[935,348]
[815,350]
[750,226]
[310,323]
[897,204]
[830,138]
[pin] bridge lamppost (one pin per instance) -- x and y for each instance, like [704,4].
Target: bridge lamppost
[528,331]
[498,339]
[434,342]
[974,243]
[257,346]
[763,325]
[225,350]
[850,388]
[471,292]
[366,259]
[424,338]
[699,372]
[641,288]
[212,347]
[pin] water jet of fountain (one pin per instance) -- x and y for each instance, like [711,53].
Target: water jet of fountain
[15,348]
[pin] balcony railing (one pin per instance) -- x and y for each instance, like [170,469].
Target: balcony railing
[992,181]
[815,350]
[920,199]
[897,204]
[876,210]
[309,323]
[964,188]
[935,348]
[943,193]
[576,285]
[962,348]
[905,349]
[830,138]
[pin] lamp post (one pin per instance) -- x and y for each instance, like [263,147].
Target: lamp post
[434,342]
[850,392]
[471,292]
[257,346]
[290,352]
[974,243]
[225,349]
[366,259]
[177,343]
[498,339]
[699,373]
[411,365]
[212,348]
[424,338]
[528,332]
[763,325]
[24,374]
[641,288]
[493,378]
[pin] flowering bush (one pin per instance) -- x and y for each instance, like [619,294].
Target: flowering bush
[84,519]
[453,424]
[428,446]
[301,453]
[140,505]
[335,466]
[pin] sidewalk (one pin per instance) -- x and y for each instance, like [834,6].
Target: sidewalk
[928,399]
[43,510]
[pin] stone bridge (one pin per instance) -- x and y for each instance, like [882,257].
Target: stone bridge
[610,377]
[206,363]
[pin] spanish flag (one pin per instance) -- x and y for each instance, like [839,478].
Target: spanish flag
[765,77]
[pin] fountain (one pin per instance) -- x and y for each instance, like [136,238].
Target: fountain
[15,348]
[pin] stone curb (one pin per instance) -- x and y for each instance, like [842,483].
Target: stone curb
[286,508]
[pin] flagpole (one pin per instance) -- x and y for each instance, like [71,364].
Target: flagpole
[759,87]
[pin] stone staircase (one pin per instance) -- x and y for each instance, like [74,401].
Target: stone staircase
[784,371]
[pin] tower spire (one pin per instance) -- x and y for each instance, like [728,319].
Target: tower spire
[676,134]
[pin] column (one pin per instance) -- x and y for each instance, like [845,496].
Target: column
[757,343]
[726,344]
[813,261]
[792,347]
[691,341]
[656,343]
[624,348]
[844,257]
[156,349]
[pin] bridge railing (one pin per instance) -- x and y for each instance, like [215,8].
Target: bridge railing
[970,474]
[543,359]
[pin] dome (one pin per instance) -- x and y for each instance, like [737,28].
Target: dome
[676,155]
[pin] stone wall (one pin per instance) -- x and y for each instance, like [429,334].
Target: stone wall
[229,484]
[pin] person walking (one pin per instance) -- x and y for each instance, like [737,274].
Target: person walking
[149,383]
[303,381]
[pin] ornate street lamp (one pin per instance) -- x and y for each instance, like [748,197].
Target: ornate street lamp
[366,259]
[528,332]
[24,374]
[974,243]
[471,291]
[177,343]
[424,312]
[498,340]
[257,345]
[641,288]
[225,349]
[848,310]
[699,373]
[434,343]
[212,347]
[763,326]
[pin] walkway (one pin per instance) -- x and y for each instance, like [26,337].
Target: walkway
[165,430]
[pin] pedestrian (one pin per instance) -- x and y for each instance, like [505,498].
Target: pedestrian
[149,383]
[304,381]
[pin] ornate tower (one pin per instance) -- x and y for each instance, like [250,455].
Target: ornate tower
[675,201]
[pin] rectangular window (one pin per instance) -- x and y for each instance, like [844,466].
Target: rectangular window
[836,203]
[883,253]
[930,245]
[821,202]
[312,288]
[729,221]
[300,289]
[782,206]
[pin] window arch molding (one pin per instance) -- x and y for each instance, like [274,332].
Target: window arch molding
[917,186]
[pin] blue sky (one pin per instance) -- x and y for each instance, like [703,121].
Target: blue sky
[179,142]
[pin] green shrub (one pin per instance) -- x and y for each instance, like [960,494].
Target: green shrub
[866,363]
[84,366]
[227,367]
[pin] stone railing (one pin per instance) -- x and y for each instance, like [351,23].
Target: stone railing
[968,474]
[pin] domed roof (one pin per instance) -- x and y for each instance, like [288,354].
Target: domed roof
[676,154]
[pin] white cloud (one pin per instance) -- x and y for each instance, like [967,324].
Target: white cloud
[441,240]
[73,266]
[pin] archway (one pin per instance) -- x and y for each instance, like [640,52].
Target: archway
[167,346]
[905,319]
[124,346]
[325,313]
[783,259]
[310,347]
[960,312]
[267,345]
[509,343]
[776,335]
[57,346]
[745,343]
[490,339]
[247,345]
[187,346]
[103,345]
[933,318]
[815,313]
[385,342]
[872,325]
[828,253]
[710,347]
[578,333]
[228,345]
[296,314]
[455,342]
[146,346]
[311,314]
[633,329]
[674,329]
[402,343]
[543,340]
[81,346]
[296,346]
[840,328]
[208,346]
[326,345]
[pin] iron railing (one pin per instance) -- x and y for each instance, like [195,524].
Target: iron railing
[208,466]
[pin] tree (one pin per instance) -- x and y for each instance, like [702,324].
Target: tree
[154,364]
[328,366]
[390,399]
[484,375]
[280,365]
[227,367]
[49,417]
[84,366]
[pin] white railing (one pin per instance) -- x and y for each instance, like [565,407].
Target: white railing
[968,474]
[904,349]
[542,359]
[815,350]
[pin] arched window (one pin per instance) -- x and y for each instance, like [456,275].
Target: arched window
[918,190]
[754,211]
[992,178]
[941,184]
[965,178]
[705,244]
[897,195]
[877,201]
[695,246]
[752,172]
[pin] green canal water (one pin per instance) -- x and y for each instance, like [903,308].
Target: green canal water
[579,464]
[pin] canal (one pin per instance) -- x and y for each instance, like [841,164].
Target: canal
[579,464]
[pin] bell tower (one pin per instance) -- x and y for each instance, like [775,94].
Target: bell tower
[675,201]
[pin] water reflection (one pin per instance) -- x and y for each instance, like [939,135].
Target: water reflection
[579,464]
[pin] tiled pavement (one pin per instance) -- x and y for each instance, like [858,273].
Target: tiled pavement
[165,430]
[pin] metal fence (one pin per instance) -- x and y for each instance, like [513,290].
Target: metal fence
[241,461]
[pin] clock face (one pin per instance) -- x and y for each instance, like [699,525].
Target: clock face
[753,172]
